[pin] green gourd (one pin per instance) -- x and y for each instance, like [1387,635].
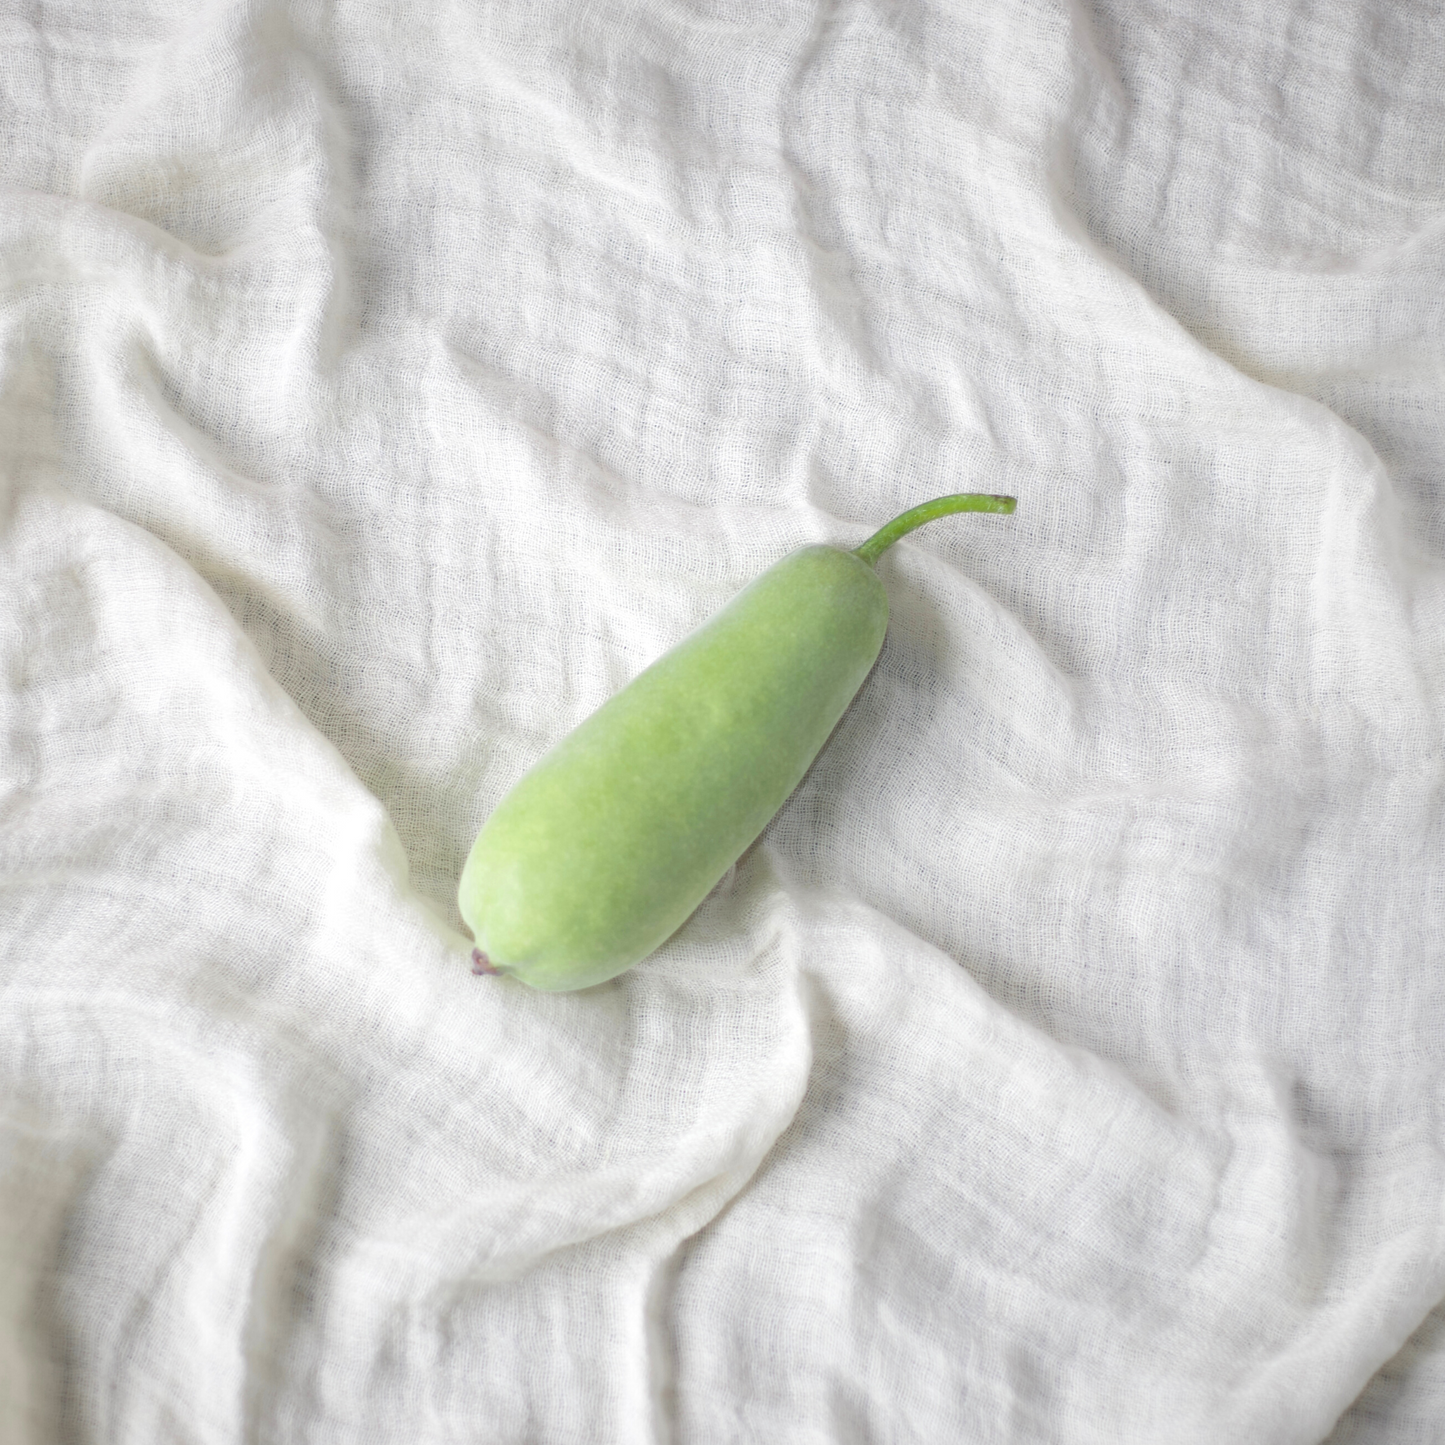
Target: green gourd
[607,845]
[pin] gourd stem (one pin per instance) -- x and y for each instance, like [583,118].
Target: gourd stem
[885,537]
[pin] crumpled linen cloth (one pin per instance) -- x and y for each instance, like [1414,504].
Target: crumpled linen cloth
[383,386]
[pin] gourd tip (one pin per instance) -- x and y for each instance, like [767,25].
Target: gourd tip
[482,964]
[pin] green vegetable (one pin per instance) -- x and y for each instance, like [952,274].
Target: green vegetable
[607,845]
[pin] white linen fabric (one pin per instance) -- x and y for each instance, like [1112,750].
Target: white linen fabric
[382,386]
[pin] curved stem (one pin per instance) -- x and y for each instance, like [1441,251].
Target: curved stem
[885,537]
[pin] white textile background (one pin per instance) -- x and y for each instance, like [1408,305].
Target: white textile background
[381,386]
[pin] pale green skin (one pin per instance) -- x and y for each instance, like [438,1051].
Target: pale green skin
[608,844]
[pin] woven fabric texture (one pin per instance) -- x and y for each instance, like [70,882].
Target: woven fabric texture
[383,386]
